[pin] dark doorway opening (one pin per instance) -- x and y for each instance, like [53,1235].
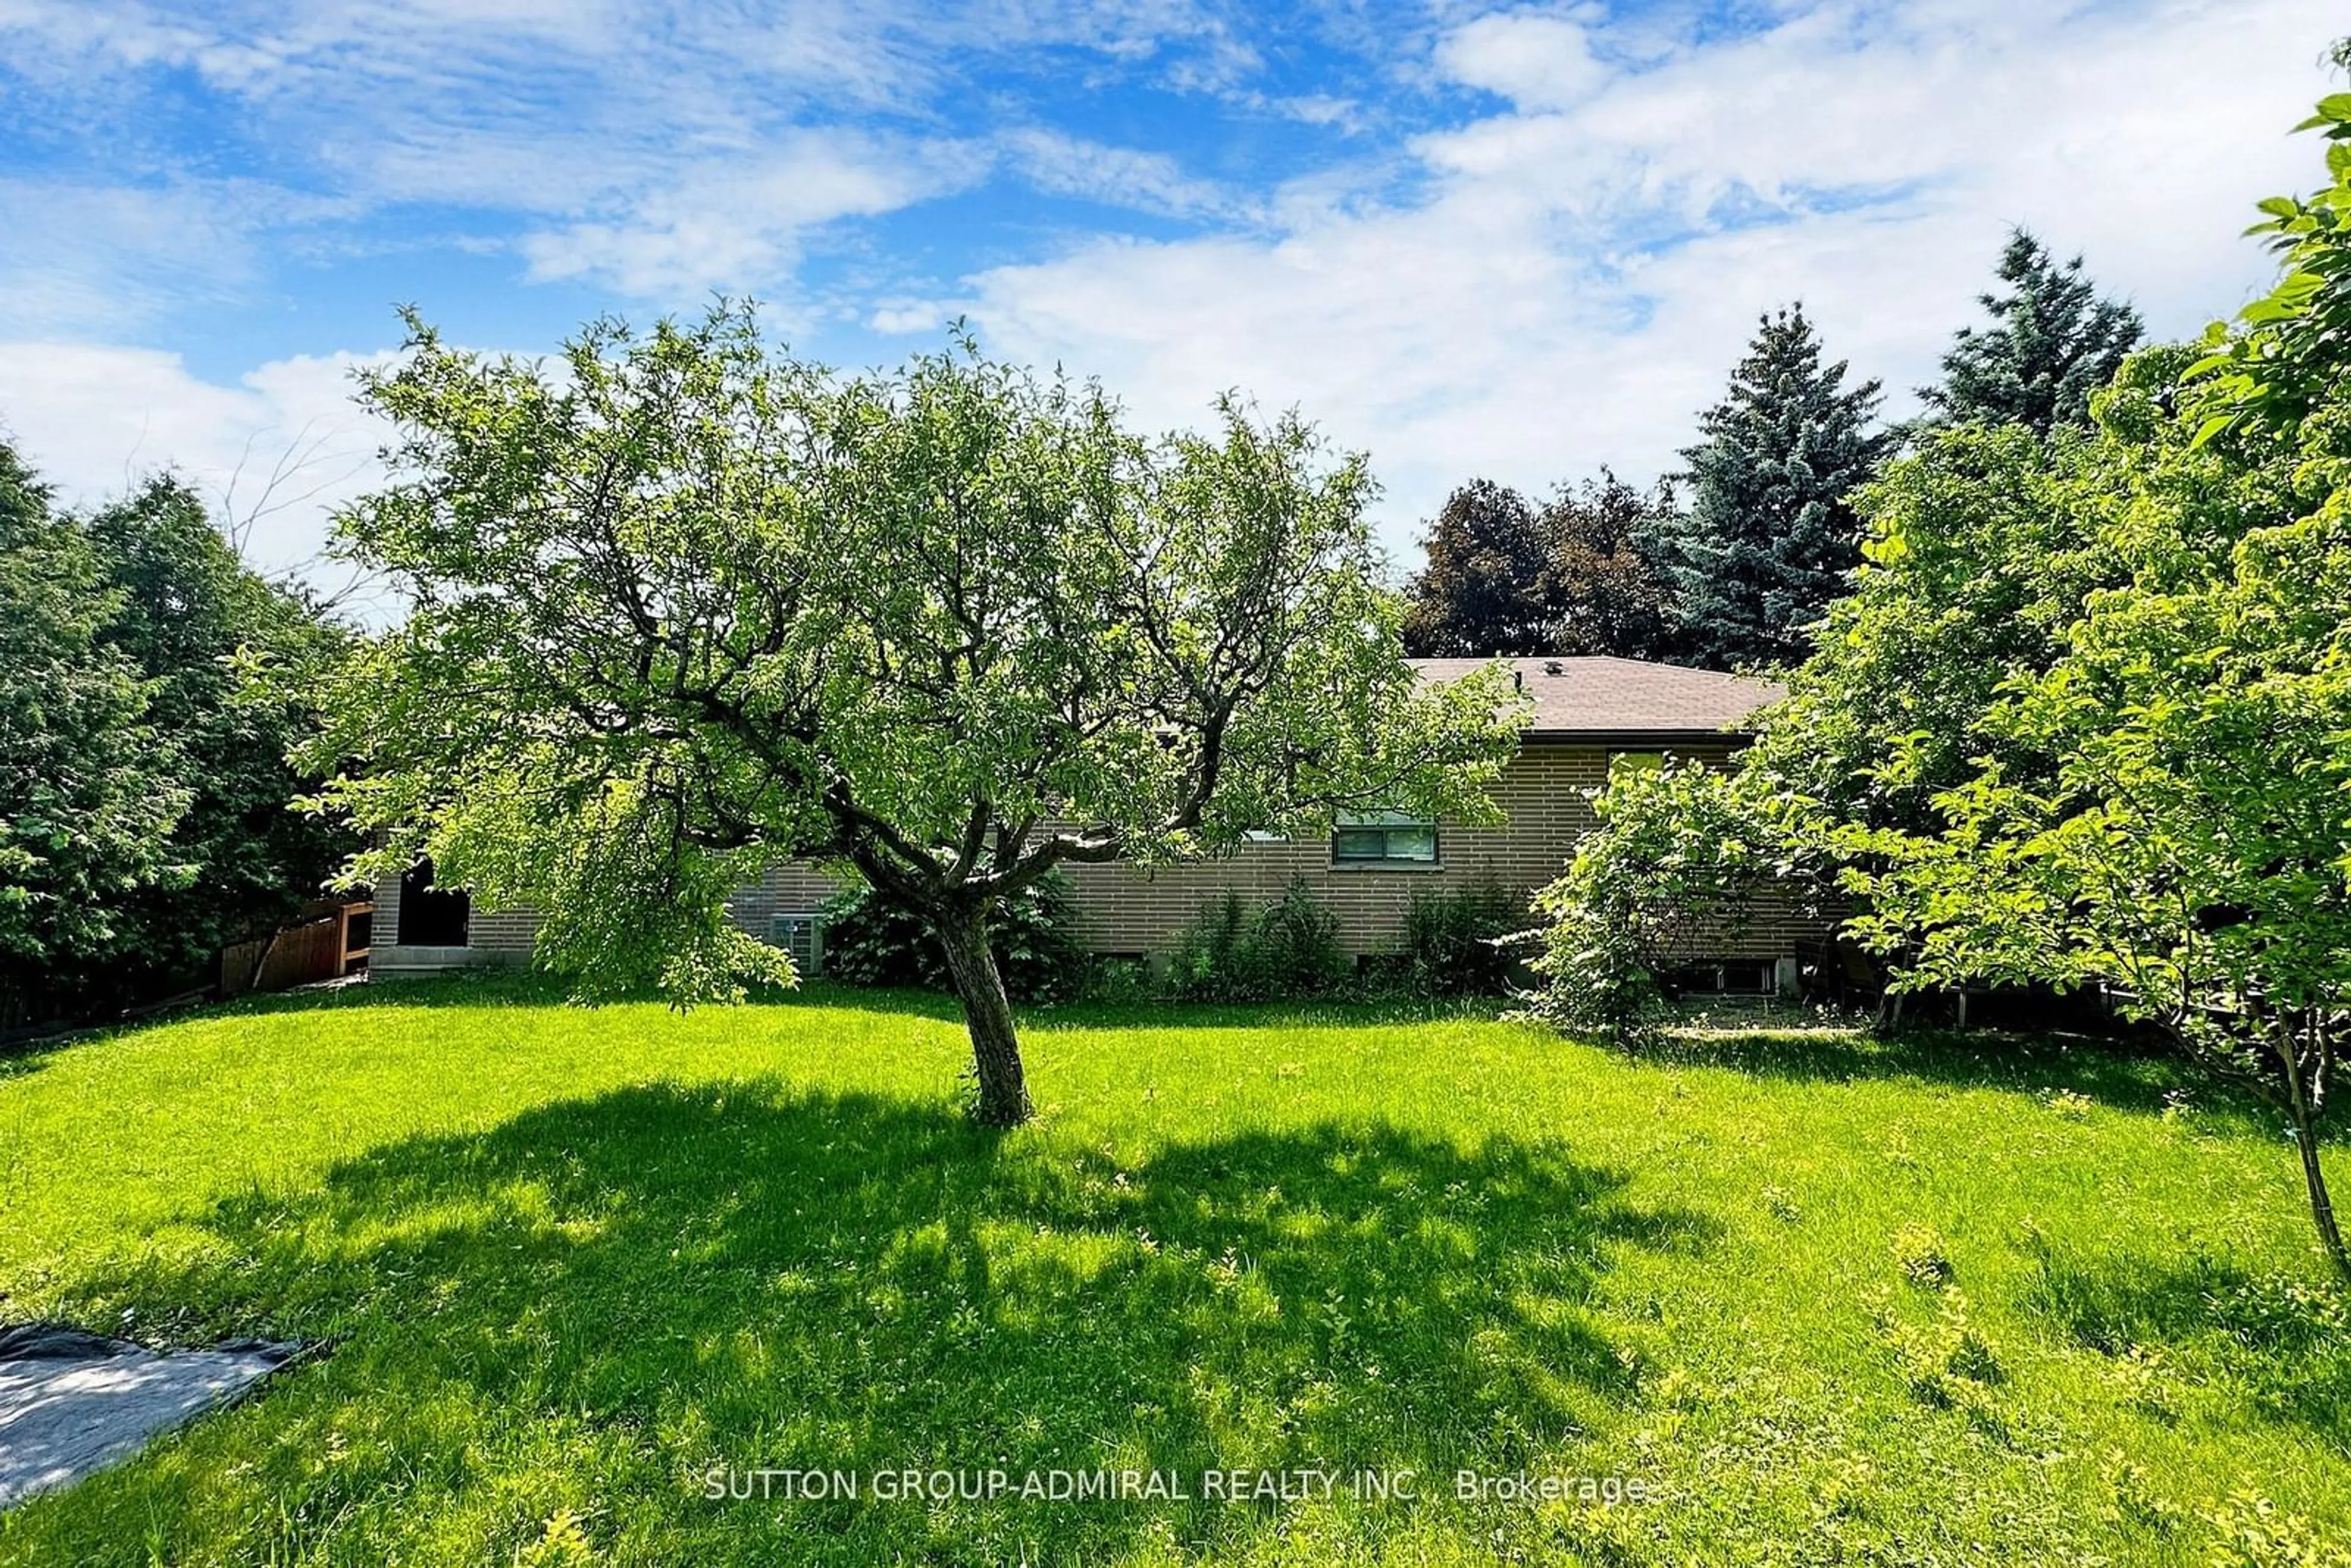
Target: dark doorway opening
[428,916]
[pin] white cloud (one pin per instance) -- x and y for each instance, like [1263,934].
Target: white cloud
[1116,176]
[83,257]
[1538,62]
[1324,109]
[734,226]
[1559,282]
[1574,275]
[659,147]
[273,452]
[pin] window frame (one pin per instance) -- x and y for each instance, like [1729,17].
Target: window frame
[1388,825]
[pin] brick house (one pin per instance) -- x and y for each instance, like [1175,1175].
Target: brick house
[1588,714]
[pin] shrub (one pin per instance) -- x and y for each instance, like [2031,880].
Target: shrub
[1235,951]
[1453,941]
[1672,865]
[870,941]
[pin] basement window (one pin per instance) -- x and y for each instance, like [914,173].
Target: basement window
[1388,837]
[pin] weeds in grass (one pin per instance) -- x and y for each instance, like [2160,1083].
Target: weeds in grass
[1919,1249]
[2071,1104]
[1946,1361]
[564,1543]
[2133,1498]
[2251,1532]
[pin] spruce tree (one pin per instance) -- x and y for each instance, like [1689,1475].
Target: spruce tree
[2051,343]
[1770,535]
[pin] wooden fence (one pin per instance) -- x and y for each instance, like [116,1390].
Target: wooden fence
[327,943]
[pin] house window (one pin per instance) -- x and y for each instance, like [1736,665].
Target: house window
[1642,761]
[1388,838]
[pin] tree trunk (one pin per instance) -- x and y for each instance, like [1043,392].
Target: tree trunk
[2300,1110]
[987,1013]
[2322,1207]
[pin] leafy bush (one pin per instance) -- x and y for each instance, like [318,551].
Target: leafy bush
[1453,940]
[1235,951]
[870,941]
[1672,867]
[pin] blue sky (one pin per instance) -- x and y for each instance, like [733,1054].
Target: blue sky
[1519,242]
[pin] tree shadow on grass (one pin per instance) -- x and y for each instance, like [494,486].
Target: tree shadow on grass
[513,986]
[595,1303]
[2280,1343]
[2127,1075]
[29,1057]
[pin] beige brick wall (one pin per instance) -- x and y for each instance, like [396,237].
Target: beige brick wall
[1128,909]
[386,930]
[495,931]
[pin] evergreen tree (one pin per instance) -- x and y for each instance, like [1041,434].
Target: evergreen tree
[196,621]
[1771,535]
[1482,592]
[2052,342]
[88,795]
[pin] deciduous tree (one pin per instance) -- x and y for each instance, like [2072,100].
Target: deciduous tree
[689,608]
[1580,574]
[1483,590]
[1604,585]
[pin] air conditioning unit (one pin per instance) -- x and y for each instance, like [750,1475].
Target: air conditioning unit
[801,935]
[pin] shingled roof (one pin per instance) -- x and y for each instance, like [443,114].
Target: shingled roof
[1600,699]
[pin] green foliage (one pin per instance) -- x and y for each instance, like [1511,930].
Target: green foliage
[2252,1531]
[2290,351]
[1671,869]
[1946,1361]
[228,657]
[869,941]
[89,792]
[1238,951]
[1455,940]
[2163,812]
[1770,533]
[2051,343]
[150,688]
[687,609]
[1920,1252]
[1580,575]
[2083,725]
[1980,549]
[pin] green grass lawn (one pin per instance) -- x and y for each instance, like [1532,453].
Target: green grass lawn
[1828,1301]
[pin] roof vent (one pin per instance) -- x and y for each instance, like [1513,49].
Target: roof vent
[1553,667]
